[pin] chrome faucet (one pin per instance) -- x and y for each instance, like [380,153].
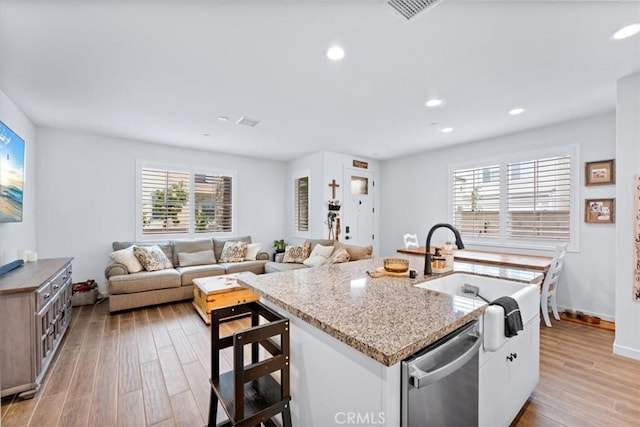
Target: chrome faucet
[427,255]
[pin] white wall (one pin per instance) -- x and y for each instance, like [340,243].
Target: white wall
[627,165]
[323,167]
[414,198]
[86,189]
[20,235]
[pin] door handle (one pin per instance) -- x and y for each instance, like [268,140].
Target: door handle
[419,378]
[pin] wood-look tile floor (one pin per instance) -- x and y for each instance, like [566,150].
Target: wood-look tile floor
[150,367]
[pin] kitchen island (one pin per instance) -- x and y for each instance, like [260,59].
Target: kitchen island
[350,332]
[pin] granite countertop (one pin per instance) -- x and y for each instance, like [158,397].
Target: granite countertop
[386,318]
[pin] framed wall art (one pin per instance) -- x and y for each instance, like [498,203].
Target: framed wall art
[600,211]
[601,172]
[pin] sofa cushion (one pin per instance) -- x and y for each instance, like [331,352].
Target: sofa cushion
[339,256]
[256,267]
[218,243]
[197,271]
[319,256]
[190,246]
[127,258]
[205,257]
[323,242]
[233,251]
[144,281]
[166,247]
[152,258]
[356,252]
[275,267]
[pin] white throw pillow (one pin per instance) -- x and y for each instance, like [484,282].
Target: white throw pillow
[127,258]
[319,256]
[252,251]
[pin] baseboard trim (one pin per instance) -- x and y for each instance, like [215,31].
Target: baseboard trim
[621,350]
[585,319]
[586,312]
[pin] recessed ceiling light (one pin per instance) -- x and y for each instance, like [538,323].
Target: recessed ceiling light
[446,130]
[516,111]
[205,134]
[335,53]
[433,102]
[223,118]
[626,31]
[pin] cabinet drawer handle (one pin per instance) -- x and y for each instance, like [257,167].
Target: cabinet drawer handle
[46,296]
[56,286]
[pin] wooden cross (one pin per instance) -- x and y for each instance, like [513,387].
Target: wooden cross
[333,186]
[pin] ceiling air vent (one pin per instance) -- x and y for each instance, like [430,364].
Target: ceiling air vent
[410,8]
[247,121]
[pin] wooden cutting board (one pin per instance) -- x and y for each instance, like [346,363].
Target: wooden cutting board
[381,272]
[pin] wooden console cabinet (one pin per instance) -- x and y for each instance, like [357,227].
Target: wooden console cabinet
[35,312]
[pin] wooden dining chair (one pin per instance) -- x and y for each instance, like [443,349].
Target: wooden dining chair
[550,284]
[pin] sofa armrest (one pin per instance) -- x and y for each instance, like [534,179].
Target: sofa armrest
[262,256]
[115,269]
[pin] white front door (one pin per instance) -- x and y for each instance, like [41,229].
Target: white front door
[357,221]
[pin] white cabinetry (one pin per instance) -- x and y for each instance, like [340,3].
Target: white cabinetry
[509,375]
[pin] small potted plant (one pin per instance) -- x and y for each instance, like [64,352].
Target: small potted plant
[279,245]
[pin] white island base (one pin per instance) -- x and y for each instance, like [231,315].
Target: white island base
[333,384]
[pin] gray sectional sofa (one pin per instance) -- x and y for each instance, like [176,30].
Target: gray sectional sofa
[356,253]
[131,290]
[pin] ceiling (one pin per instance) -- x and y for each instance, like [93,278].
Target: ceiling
[163,71]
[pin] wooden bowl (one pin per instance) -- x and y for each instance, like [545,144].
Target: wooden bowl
[396,265]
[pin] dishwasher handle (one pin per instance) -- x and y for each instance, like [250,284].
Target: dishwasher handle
[419,378]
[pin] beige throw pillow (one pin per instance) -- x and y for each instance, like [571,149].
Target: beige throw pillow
[127,258]
[296,254]
[252,251]
[339,256]
[234,251]
[319,255]
[152,258]
[356,252]
[196,258]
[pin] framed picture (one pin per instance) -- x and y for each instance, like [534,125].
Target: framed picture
[602,172]
[600,211]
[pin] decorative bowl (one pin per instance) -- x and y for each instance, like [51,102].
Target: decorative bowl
[396,265]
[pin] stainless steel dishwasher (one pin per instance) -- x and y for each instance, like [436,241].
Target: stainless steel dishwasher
[440,383]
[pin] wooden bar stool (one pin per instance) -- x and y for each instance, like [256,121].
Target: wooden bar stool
[249,394]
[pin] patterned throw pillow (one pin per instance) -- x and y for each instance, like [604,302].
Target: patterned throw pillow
[339,255]
[127,258]
[233,251]
[152,258]
[296,254]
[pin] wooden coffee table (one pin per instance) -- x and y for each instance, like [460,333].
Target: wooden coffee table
[219,291]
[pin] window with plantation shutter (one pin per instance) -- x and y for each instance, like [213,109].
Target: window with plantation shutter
[476,201]
[213,203]
[165,201]
[301,201]
[539,199]
[527,200]
[183,202]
